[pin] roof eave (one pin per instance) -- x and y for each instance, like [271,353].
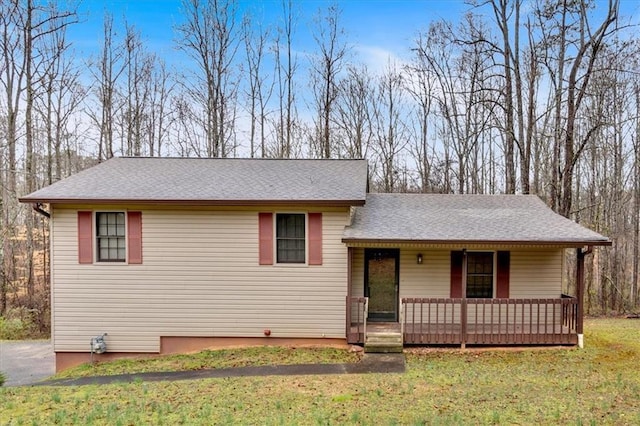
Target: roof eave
[103,201]
[557,243]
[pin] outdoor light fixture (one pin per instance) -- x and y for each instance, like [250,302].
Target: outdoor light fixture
[419,259]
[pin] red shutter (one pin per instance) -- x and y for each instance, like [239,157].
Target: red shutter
[134,231]
[85,237]
[457,258]
[265,236]
[315,238]
[502,275]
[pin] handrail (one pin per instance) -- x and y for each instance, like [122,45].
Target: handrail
[402,318]
[357,312]
[366,315]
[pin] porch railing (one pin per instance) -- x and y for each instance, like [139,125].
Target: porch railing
[489,321]
[357,312]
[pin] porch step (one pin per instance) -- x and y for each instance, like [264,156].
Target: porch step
[383,342]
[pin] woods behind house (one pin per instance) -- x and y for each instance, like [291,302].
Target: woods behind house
[506,99]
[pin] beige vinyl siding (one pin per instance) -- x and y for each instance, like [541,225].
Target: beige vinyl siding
[430,279]
[536,274]
[200,277]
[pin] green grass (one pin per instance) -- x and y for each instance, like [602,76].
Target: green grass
[597,385]
[225,358]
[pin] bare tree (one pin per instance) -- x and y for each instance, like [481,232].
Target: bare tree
[510,53]
[326,65]
[390,130]
[421,87]
[260,87]
[354,111]
[138,72]
[26,27]
[570,44]
[12,69]
[635,279]
[14,60]
[160,116]
[286,66]
[209,36]
[519,89]
[106,71]
[459,68]
[57,101]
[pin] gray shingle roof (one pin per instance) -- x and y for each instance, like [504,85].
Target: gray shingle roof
[196,180]
[437,218]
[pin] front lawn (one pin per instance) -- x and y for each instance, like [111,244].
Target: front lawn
[223,358]
[597,385]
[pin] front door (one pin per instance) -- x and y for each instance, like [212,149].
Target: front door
[381,283]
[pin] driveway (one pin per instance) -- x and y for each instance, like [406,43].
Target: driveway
[26,362]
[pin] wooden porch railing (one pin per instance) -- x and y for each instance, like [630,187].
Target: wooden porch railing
[570,313]
[489,321]
[357,312]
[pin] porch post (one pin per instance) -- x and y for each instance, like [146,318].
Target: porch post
[464,273]
[580,254]
[348,310]
[463,305]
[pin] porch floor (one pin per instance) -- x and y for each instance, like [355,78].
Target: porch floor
[382,327]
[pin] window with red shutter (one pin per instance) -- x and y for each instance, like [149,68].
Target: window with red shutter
[118,237]
[265,237]
[315,238]
[480,274]
[134,237]
[502,274]
[457,257]
[288,234]
[85,237]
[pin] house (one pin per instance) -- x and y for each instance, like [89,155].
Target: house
[169,255]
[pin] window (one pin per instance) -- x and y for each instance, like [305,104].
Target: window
[290,238]
[111,237]
[479,274]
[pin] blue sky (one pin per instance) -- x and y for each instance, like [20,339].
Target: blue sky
[374,27]
[377,29]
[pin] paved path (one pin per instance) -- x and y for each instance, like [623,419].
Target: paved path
[370,363]
[26,362]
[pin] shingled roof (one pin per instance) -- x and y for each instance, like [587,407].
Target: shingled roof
[464,219]
[212,181]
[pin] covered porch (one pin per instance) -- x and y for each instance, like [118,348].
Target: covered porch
[464,270]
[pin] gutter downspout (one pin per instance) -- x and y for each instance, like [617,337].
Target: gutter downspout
[37,207]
